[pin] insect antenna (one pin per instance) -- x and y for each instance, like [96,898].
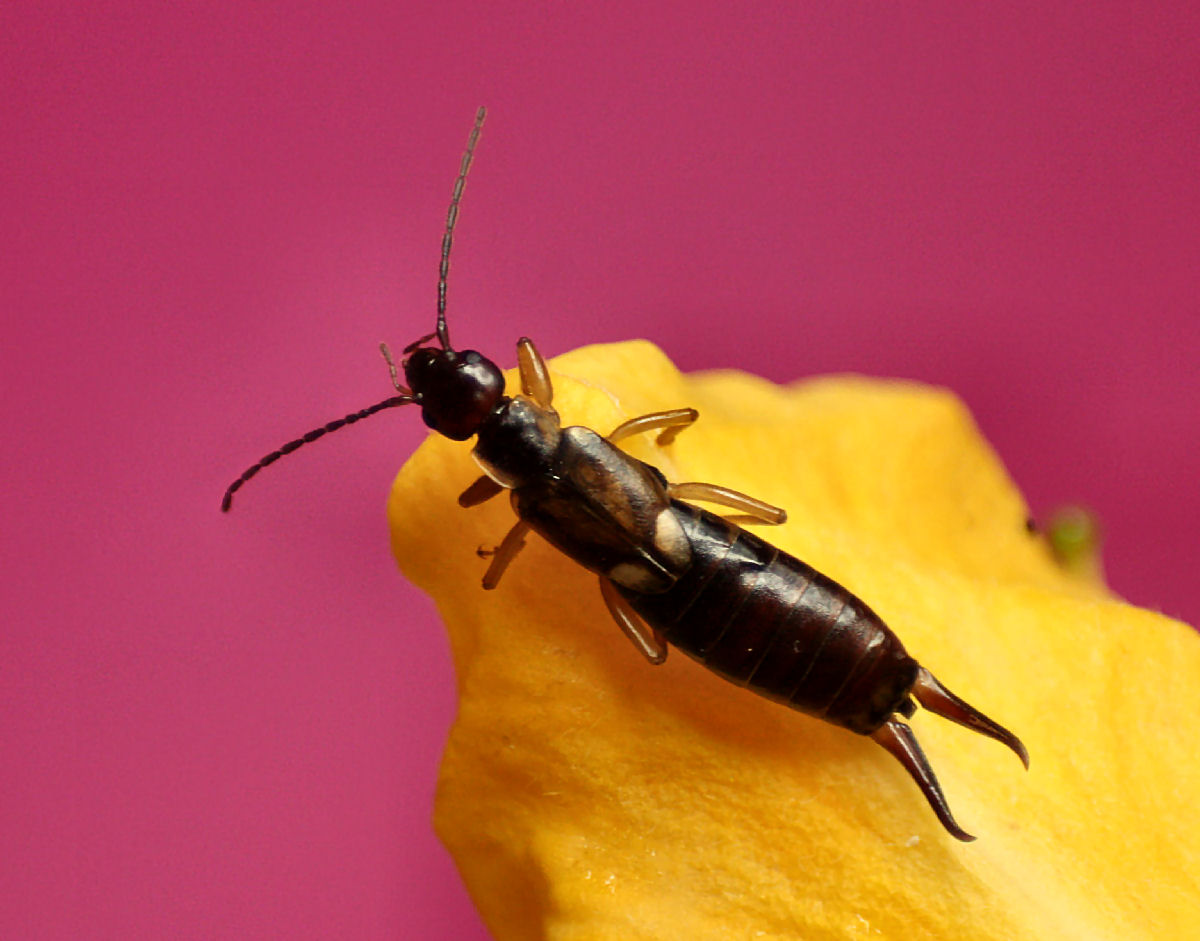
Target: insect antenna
[227,500]
[443,334]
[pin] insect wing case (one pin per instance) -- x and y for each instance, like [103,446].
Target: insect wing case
[607,511]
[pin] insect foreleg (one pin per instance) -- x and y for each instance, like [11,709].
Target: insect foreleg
[647,640]
[479,492]
[672,422]
[513,542]
[723,496]
[535,378]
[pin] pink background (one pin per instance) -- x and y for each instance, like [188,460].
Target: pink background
[229,727]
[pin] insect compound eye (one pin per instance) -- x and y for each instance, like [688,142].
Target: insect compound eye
[457,390]
[421,368]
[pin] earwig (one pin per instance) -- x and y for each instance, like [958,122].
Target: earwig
[670,573]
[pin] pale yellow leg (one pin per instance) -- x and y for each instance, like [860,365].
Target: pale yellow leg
[647,640]
[673,422]
[723,496]
[535,378]
[513,542]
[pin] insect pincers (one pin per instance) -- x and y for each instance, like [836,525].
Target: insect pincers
[670,572]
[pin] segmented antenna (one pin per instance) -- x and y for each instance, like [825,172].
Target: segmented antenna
[443,334]
[227,500]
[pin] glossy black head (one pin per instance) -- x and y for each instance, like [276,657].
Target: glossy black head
[456,389]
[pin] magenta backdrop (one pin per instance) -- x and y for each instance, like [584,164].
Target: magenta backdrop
[229,726]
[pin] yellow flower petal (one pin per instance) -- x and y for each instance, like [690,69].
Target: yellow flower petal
[588,795]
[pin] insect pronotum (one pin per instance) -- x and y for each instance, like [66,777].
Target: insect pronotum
[670,572]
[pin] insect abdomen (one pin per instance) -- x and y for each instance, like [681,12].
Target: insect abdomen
[765,620]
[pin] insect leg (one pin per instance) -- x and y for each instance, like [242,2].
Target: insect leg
[535,379]
[481,490]
[645,639]
[513,542]
[898,738]
[723,496]
[937,699]
[672,422]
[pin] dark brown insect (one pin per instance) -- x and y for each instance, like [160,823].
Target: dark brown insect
[670,572]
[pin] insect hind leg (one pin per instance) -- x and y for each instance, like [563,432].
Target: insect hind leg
[647,640]
[937,699]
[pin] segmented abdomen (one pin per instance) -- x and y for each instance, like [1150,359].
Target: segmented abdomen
[763,619]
